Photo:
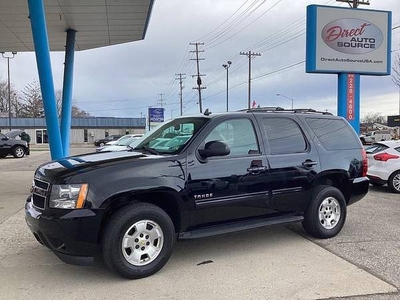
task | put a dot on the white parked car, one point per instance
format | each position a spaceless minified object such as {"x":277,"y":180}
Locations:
{"x":384,"y":164}
{"x":120,"y":146}
{"x":125,"y":137}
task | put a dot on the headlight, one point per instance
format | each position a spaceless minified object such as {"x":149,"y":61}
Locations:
{"x":68,"y":196}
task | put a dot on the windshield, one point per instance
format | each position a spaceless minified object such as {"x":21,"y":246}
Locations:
{"x":126,"y":141}
{"x":170,"y":137}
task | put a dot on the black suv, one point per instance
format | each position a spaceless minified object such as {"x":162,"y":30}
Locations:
{"x":11,"y":146}
{"x":198,"y":176}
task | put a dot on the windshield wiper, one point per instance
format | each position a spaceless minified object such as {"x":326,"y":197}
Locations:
{"x":148,"y":149}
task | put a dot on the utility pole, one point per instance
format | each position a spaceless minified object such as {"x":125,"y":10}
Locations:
{"x":250,"y":55}
{"x":197,"y":59}
{"x":181,"y":88}
{"x":161,"y":100}
{"x":355,"y":2}
{"x":226,"y":67}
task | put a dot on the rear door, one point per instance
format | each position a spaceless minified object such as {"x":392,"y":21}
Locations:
{"x":293,"y":162}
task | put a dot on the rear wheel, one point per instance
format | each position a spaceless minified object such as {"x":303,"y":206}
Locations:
{"x":18,"y":151}
{"x":138,"y":240}
{"x":326,"y":214}
{"x":394,"y":182}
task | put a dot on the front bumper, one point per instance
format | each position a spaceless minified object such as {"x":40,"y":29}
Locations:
{"x":359,"y":188}
{"x":71,"y":234}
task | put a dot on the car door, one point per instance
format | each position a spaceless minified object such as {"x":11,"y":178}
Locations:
{"x":229,"y":187}
{"x":4,"y":145}
{"x":293,"y":163}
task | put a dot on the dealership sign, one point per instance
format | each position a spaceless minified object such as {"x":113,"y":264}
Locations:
{"x":345,"y":40}
{"x":156,"y":114}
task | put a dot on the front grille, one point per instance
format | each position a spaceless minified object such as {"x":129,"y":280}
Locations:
{"x":40,"y":191}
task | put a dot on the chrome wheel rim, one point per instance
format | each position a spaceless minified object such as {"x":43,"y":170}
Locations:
{"x":396,"y":182}
{"x":19,"y":152}
{"x":142,"y":242}
{"x":329,"y":213}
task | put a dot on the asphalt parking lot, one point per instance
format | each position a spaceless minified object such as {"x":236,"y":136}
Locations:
{"x":362,"y":262}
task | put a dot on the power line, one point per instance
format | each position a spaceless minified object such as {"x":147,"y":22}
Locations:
{"x":245,"y":26}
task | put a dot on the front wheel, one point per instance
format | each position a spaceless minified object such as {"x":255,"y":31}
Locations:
{"x":138,"y":240}
{"x":394,"y":182}
{"x":18,"y":151}
{"x":326,"y":214}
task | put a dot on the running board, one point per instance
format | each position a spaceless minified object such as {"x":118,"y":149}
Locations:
{"x":238,"y":226}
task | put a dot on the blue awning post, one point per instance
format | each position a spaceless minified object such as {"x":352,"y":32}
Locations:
{"x":66,"y":110}
{"x":42,"y":50}
{"x":349,"y":99}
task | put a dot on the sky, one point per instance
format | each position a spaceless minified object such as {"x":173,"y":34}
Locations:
{"x":125,"y":80}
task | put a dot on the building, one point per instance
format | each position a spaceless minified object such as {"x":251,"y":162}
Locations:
{"x":83,"y":130}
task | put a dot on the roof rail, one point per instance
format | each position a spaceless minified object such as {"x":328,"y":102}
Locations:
{"x":263,"y":109}
{"x":280,"y":109}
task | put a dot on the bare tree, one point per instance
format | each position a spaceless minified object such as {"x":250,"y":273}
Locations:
{"x":79,"y":113}
{"x":396,"y":70}
{"x":31,"y":103}
{"x":4,"y":98}
{"x":374,"y":118}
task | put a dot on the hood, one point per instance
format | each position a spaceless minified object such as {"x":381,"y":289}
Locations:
{"x":76,"y":164}
{"x":13,"y":133}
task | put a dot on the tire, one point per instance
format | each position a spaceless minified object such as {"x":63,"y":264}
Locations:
{"x":150,"y":235}
{"x":3,"y":155}
{"x":18,"y":151}
{"x":326,"y":213}
{"x":102,"y":144}
{"x":394,"y":182}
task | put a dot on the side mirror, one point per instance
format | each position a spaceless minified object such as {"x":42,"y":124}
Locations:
{"x":214,"y":148}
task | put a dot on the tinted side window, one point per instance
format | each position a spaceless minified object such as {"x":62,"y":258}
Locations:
{"x":284,"y":136}
{"x":334,"y":134}
{"x":238,"y":134}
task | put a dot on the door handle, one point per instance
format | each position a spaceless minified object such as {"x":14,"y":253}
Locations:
{"x":309,"y":163}
{"x":256,"y":170}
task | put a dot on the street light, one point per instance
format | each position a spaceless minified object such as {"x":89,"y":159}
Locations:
{"x":286,"y":98}
{"x":226,"y":66}
{"x":9,"y":89}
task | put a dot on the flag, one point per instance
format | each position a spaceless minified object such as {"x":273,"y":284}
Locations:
{"x":254,"y":104}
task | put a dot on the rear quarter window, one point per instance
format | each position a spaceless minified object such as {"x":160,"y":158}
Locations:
{"x":334,"y":134}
